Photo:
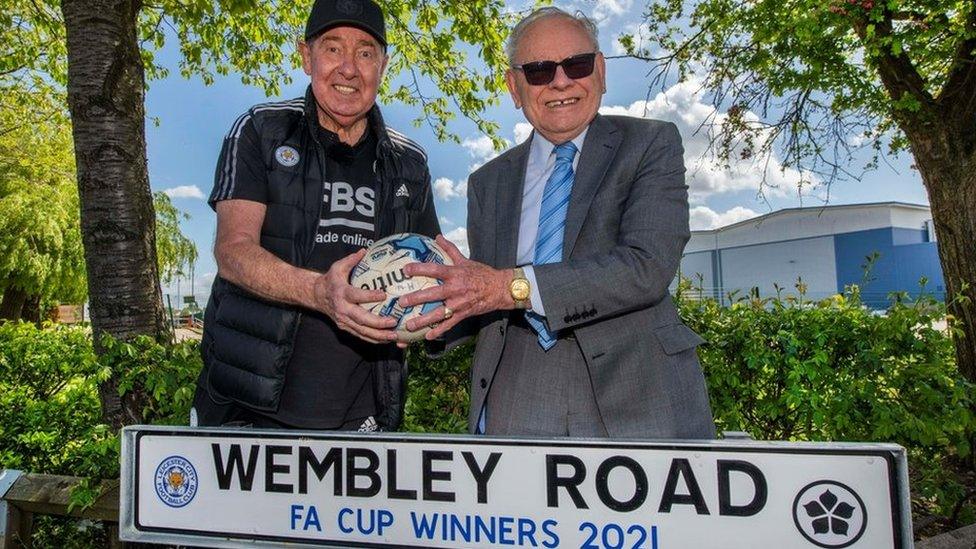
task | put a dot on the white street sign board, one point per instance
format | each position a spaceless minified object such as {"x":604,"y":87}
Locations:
{"x":225,"y":488}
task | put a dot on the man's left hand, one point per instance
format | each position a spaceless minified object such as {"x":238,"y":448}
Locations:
{"x":468,"y":289}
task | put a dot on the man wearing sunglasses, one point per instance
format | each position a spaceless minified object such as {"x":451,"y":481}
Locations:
{"x":574,"y":235}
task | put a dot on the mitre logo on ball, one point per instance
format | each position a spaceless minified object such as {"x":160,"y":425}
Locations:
{"x":382,"y":269}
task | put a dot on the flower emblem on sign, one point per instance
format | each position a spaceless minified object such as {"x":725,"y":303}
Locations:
{"x":829,"y":514}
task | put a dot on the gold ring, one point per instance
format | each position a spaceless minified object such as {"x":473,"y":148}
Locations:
{"x":448,"y":313}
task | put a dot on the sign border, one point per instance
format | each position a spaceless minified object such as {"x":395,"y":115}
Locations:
{"x":129,"y":526}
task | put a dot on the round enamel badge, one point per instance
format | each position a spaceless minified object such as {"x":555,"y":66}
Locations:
{"x":176,"y":481}
{"x":286,"y":156}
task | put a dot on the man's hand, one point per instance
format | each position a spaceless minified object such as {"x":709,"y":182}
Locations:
{"x":333,"y":295}
{"x":469,"y":288}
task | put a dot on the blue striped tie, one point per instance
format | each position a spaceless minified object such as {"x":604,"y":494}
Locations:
{"x":552,"y":222}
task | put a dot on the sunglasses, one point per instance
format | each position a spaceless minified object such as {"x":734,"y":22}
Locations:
{"x":540,"y":73}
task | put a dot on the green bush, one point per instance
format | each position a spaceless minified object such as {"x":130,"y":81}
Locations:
{"x":50,"y":417}
{"x":787,"y":368}
{"x":438,"y":391}
{"x":166,"y":374}
{"x":781,"y":368}
{"x":49,"y":408}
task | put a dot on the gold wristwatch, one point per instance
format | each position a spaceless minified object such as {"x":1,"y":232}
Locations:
{"x":520,"y":290}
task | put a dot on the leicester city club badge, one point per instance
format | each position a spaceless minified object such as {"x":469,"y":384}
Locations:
{"x":286,"y":156}
{"x":176,"y":481}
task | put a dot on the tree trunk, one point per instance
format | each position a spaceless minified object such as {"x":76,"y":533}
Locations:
{"x":31,"y":311}
{"x":20,"y":305}
{"x":105,"y":98}
{"x":13,"y":303}
{"x":945,"y":156}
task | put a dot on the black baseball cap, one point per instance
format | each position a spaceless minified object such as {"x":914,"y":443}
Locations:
{"x":363,"y":14}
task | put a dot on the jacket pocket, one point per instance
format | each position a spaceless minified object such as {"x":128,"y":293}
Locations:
{"x":676,"y":338}
{"x":252,"y":344}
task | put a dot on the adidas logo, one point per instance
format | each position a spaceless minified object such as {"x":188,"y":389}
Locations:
{"x":402,"y":191}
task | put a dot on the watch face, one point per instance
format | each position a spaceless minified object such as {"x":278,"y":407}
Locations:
{"x":520,"y":289}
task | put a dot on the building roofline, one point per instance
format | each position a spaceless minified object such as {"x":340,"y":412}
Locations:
{"x":785,"y":211}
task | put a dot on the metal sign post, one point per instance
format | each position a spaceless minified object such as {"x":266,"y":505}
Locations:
{"x":225,"y":488}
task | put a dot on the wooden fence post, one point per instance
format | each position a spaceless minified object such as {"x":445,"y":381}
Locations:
{"x":24,"y":495}
{"x":15,"y":524}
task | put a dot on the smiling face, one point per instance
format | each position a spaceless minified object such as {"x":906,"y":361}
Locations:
{"x":561,"y":109}
{"x":346,"y":65}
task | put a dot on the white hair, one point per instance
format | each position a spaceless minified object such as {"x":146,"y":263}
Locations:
{"x":582,"y":21}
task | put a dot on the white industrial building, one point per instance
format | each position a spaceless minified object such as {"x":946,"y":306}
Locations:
{"x":827,"y":247}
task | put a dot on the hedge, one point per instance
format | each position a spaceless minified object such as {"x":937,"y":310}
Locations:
{"x":780,"y":368}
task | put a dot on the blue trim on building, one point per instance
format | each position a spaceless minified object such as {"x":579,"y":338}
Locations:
{"x":716,"y":274}
{"x":903,"y":258}
{"x":714,"y":265}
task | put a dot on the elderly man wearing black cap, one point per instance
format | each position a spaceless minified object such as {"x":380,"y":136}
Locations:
{"x":302,"y":187}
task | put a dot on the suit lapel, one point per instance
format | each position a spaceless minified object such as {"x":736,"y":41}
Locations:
{"x":509,"y":182}
{"x":599,"y":148}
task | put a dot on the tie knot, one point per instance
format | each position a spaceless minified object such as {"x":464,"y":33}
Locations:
{"x":565,"y":152}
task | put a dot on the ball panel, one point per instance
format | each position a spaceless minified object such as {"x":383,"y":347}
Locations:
{"x":382,"y":269}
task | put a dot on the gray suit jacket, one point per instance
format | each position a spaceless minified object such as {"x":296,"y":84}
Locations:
{"x":626,"y":228}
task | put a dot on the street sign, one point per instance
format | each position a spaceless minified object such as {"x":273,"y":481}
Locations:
{"x":220,"y":487}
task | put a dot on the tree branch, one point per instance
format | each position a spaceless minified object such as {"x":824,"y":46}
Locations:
{"x":959,"y":92}
{"x":898,"y":74}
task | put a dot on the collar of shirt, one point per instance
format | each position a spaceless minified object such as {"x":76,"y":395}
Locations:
{"x":541,"y":159}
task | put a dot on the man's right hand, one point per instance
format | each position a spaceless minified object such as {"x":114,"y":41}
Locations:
{"x":333,"y":295}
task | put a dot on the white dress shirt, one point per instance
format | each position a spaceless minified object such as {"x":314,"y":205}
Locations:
{"x":542,"y":161}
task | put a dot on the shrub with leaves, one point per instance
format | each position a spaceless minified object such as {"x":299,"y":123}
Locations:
{"x":780,"y":368}
{"x":49,"y":410}
{"x":788,"y":368}
{"x":438,"y":391}
{"x":166,"y":372}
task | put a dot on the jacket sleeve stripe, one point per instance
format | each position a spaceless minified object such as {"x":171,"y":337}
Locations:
{"x":406,"y":142}
{"x":231,"y":152}
{"x":228,"y":178}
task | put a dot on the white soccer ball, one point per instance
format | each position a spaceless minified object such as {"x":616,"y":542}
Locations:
{"x":382,"y":269}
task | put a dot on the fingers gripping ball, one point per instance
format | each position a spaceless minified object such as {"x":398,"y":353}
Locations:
{"x":382,"y":269}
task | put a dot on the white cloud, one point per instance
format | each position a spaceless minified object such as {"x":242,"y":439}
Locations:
{"x":522,"y":131}
{"x":445,"y":221}
{"x":445,"y":189}
{"x":696,"y":122}
{"x":481,"y":149}
{"x":703,"y":217}
{"x":459,"y":237}
{"x":604,"y":10}
{"x":184,"y":191}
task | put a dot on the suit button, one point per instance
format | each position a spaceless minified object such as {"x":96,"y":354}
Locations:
{"x":593,"y":311}
{"x":567,"y":318}
{"x":484,"y":383}
{"x":501,"y":330}
{"x":575,"y":317}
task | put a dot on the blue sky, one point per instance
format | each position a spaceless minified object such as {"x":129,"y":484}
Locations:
{"x":193,"y":117}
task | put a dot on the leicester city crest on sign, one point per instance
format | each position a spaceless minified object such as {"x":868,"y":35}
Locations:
{"x":286,"y":156}
{"x":176,"y":481}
